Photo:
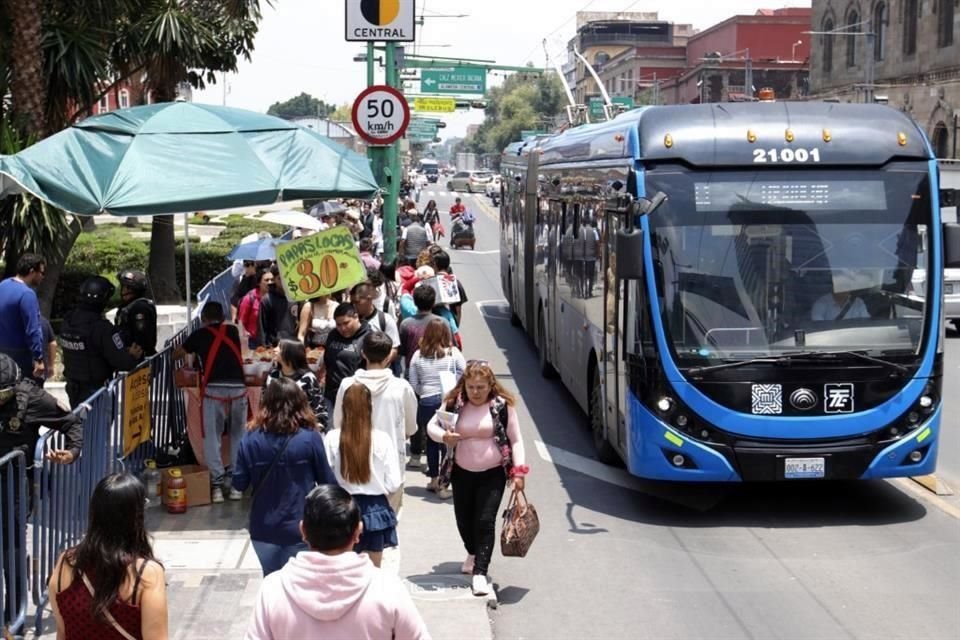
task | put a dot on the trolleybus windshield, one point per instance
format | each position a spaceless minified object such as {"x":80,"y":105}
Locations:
{"x":756,"y":263}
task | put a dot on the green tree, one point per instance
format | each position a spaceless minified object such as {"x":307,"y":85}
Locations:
{"x":300,"y":106}
{"x":343,"y":113}
{"x":58,"y":57}
{"x":523,"y":101}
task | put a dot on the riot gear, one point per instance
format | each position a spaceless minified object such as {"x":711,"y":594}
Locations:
{"x":133,"y":280}
{"x":96,"y":291}
{"x":93,"y":350}
{"x":9,"y":372}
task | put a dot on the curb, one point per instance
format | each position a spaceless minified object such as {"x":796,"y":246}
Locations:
{"x":434,"y":587}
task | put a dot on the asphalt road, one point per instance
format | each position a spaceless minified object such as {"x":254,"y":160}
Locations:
{"x":620,"y":558}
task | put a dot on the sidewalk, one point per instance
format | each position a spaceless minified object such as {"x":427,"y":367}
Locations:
{"x":213,"y":575}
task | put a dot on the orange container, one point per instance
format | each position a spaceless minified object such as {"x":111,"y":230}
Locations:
{"x":176,"y":492}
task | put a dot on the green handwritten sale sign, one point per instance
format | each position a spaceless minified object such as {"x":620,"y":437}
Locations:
{"x":320,"y":264}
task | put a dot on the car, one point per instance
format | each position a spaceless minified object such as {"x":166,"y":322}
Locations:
{"x":469,"y":181}
{"x":493,"y":187}
{"x":951,"y":292}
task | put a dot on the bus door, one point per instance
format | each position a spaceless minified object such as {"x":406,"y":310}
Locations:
{"x":614,"y":314}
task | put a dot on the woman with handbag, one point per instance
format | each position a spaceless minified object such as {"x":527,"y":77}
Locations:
{"x":485,"y":450}
{"x":110,"y":586}
{"x":365,"y":462}
{"x":434,"y":369}
{"x":282,"y":458}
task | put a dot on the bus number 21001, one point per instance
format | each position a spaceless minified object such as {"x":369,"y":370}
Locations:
{"x":786,"y":155}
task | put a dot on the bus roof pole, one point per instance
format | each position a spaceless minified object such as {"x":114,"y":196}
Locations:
{"x":596,"y":78}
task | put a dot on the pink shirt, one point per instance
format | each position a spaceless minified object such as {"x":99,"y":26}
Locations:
{"x":477,"y":449}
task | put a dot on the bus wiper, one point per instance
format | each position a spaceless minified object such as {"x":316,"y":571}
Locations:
{"x":785,"y":359}
{"x":857,"y":354}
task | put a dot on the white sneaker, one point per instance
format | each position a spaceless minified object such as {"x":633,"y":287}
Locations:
{"x":480,"y":585}
{"x":444,"y":494}
{"x":236,"y":495}
{"x":216,"y":495}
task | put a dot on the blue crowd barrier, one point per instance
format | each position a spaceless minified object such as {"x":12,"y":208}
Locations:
{"x":13,"y":542}
{"x":61,"y":493}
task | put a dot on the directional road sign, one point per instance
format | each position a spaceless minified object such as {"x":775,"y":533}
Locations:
{"x":457,"y":80}
{"x":380,"y":114}
{"x":422,"y":130}
{"x":435,"y":105}
{"x":596,"y":105}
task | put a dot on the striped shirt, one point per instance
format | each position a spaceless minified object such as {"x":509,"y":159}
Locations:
{"x":425,"y":372}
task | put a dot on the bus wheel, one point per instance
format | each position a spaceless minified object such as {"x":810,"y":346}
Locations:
{"x":514,"y":318}
{"x":605,"y":452}
{"x":546,"y":369}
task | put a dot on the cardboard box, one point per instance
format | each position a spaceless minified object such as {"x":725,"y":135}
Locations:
{"x":197,"y":480}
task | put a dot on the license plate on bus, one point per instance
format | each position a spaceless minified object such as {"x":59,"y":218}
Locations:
{"x":804,"y":468}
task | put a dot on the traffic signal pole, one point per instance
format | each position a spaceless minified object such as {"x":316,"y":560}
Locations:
{"x":393,"y":172}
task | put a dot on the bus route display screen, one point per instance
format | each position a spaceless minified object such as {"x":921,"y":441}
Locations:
{"x":817,"y":195}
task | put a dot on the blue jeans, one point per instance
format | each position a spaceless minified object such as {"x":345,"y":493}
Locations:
{"x":223,"y":404}
{"x":426,"y":409}
{"x":273,"y":557}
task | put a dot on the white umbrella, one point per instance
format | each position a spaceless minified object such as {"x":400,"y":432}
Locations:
{"x":293,"y":218}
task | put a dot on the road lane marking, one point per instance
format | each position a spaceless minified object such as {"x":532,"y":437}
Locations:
{"x":588,"y":466}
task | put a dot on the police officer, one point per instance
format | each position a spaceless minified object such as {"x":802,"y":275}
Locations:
{"x":137,"y":318}
{"x":93,"y":349}
{"x":24,"y":408}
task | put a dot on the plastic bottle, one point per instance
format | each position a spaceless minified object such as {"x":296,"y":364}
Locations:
{"x":151,"y":480}
{"x":176,"y":492}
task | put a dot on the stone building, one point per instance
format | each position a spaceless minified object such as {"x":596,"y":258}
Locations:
{"x":913,"y":47}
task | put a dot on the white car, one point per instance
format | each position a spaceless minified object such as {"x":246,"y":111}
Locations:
{"x":469,"y":181}
{"x":493,"y":187}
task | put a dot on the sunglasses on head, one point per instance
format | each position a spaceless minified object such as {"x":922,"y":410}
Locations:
{"x":479,"y":363}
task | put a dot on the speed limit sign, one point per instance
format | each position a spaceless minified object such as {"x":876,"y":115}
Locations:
{"x":380,"y":114}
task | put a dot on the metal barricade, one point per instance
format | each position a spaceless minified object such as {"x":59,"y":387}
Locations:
{"x":62,"y":492}
{"x":13,"y":541}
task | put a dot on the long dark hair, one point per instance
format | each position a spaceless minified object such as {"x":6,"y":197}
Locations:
{"x":115,"y":539}
{"x":356,"y":434}
{"x":294,"y":354}
{"x":284,"y":409}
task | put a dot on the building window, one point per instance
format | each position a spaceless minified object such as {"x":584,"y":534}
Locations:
{"x":941,"y":140}
{"x":879,"y":27}
{"x":945,"y":23}
{"x":104,"y":105}
{"x":124,"y":99}
{"x":911,"y":15}
{"x":826,"y":45}
{"x":599,"y":60}
{"x":853,"y":28}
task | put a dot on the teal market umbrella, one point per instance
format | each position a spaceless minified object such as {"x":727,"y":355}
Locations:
{"x":179,"y":157}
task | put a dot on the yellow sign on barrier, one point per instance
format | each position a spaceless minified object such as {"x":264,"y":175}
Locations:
{"x":136,"y":409}
{"x":435,"y":105}
{"x":320,"y":264}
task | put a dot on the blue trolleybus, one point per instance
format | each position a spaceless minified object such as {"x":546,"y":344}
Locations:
{"x":726,"y":289}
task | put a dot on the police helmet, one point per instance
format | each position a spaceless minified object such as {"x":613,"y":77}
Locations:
{"x":9,"y":372}
{"x":96,"y":291}
{"x":133,"y":279}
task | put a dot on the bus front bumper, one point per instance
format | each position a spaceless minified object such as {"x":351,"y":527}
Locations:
{"x":659,"y":451}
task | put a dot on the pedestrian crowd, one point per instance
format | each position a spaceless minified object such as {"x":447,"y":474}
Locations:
{"x":367,"y":385}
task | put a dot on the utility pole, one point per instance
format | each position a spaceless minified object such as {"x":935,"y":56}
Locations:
{"x":390,"y":204}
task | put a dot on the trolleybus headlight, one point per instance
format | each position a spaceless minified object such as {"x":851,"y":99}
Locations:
{"x":913,"y":419}
{"x":916,"y":456}
{"x":705,"y":434}
{"x":681,"y":421}
{"x":678,"y":460}
{"x":664,"y":404}
{"x":926,"y":403}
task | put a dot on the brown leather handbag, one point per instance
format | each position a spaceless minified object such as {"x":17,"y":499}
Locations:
{"x":520,"y":526}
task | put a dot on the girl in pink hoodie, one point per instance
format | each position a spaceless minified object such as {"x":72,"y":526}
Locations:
{"x":330,"y":591}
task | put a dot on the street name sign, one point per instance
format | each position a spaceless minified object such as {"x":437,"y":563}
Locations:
{"x":596,"y":104}
{"x":422,"y":130}
{"x":380,"y":20}
{"x":456,"y":80}
{"x":380,"y":114}
{"x":435,"y":105}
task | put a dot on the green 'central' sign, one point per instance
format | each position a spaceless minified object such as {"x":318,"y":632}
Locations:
{"x":457,"y":80}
